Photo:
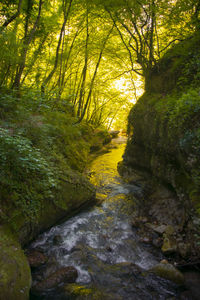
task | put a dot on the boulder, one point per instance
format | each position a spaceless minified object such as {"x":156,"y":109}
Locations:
{"x":160,"y":229}
{"x":168,"y":271}
{"x":82,"y":292}
{"x":63,"y":275}
{"x":169,"y":245}
{"x":146,"y":240}
{"x":36,"y":258}
{"x":184,"y":249}
{"x":15,"y":275}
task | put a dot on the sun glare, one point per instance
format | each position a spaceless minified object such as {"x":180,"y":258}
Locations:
{"x":133,"y":92}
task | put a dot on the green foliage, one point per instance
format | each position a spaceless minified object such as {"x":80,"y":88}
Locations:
{"x":25,"y":177}
{"x":180,"y":109}
{"x":191,"y":71}
{"x":39,"y":144}
{"x":186,"y":107}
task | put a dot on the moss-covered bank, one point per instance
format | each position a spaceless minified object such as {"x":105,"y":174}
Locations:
{"x":43,"y":153}
{"x":164,"y":125}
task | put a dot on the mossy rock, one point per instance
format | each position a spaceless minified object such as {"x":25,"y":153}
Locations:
{"x":75,"y":193}
{"x":81,"y":292}
{"x":15,"y":275}
{"x":169,"y":244}
{"x":169,"y":272}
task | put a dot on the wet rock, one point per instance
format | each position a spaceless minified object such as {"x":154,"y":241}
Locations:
{"x":36,"y":258}
{"x":192,"y":283}
{"x":62,"y":251}
{"x":169,"y":272}
{"x":164,"y":261}
{"x":57,"y":240}
{"x":184,"y":249}
{"x":169,"y":230}
{"x":186,"y":295}
{"x":169,"y":245}
{"x":77,"y":248}
{"x":109,"y":249}
{"x":138,"y":221}
{"x":63,"y":275}
{"x":160,"y":229}
{"x":135,"y":223}
{"x":157,"y":242}
{"x":88,"y":292}
{"x":146,"y":240}
{"x":143,"y":220}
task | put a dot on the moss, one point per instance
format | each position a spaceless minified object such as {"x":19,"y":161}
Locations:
{"x":177,"y":69}
{"x":164,"y":124}
{"x":85,"y":292}
{"x":169,"y":272}
{"x":15,"y":275}
{"x":79,"y":290}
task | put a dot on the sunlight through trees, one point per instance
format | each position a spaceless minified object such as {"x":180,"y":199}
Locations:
{"x":91,"y":55}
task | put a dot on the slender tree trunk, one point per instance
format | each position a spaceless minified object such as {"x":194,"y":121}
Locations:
{"x":34,"y":58}
{"x":151,"y":42}
{"x":84,"y":72}
{"x":94,"y":76}
{"x":63,"y":70}
{"x":27,"y":41}
{"x":62,"y":32}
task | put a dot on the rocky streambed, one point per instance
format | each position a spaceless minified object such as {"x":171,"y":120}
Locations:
{"x":109,"y":251}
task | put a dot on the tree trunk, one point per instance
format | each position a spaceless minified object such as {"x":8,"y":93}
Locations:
{"x":94,"y":76}
{"x":62,"y":32}
{"x":27,"y":41}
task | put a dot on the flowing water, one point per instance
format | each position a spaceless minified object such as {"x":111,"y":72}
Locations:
{"x":101,"y":243}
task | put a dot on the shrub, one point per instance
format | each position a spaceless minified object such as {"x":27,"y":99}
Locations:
{"x":25,"y":176}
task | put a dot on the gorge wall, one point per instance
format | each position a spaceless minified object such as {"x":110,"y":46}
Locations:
{"x":164,"y":126}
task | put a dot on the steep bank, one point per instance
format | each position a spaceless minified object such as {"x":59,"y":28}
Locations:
{"x":43,"y":153}
{"x":164,"y":128}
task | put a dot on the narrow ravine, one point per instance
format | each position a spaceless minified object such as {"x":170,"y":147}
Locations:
{"x":102,"y":245}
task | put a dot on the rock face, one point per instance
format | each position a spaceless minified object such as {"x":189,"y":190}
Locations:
{"x":164,"y":138}
{"x":164,"y":128}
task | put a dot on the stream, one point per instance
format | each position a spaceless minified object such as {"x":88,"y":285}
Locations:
{"x":102,"y":245}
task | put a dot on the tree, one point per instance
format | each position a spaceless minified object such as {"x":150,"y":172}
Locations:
{"x":82,"y":52}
